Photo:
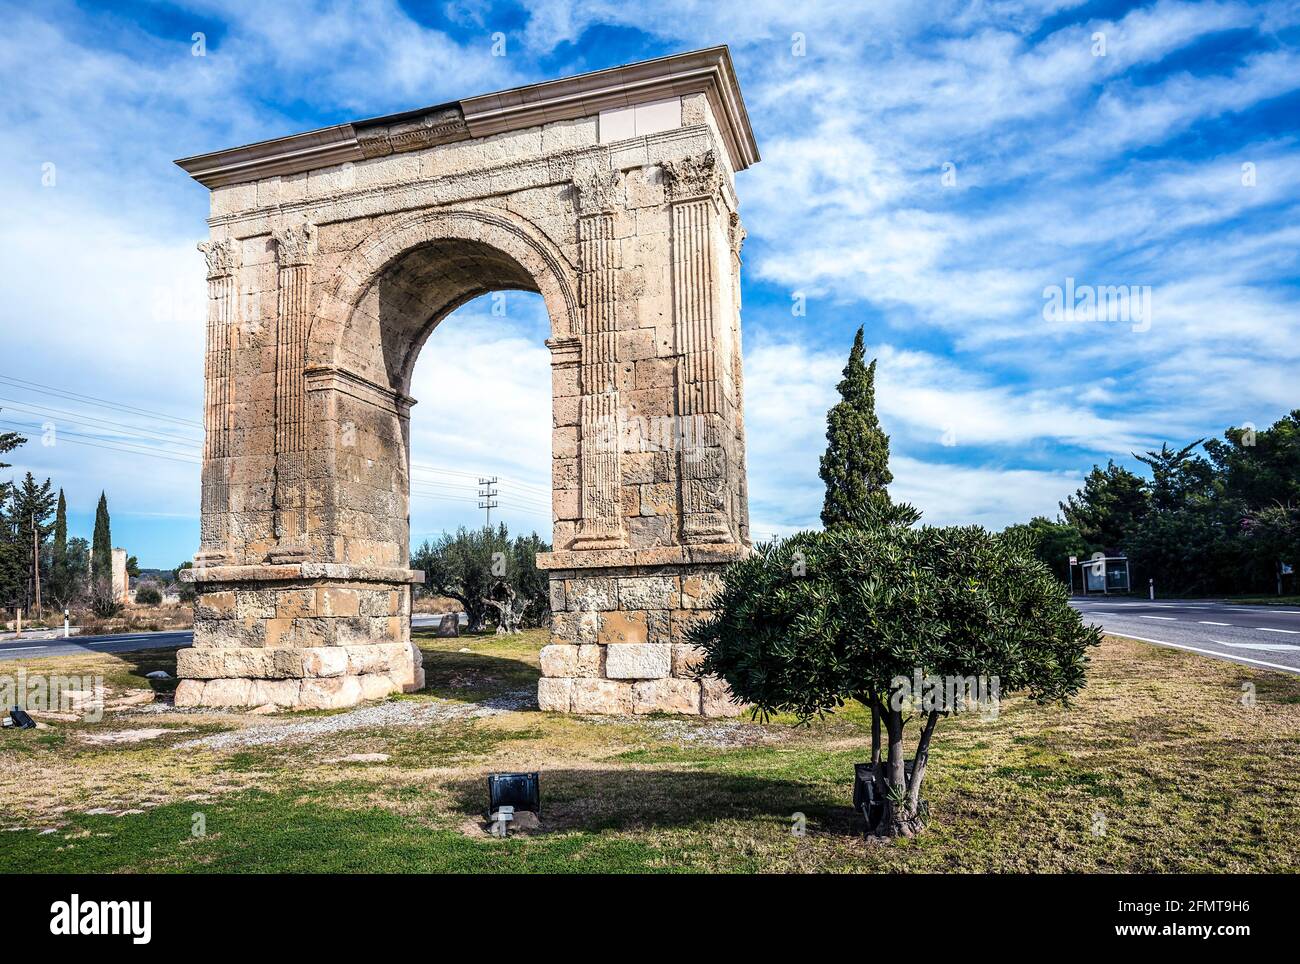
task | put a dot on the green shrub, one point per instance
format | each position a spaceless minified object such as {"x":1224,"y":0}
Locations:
{"x":148,"y":595}
{"x":861,"y":611}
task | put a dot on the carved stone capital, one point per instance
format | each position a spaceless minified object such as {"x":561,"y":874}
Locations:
{"x":736,"y":233}
{"x":222,"y":258}
{"x":692,"y":177}
{"x":599,"y":190}
{"x":295,"y":244}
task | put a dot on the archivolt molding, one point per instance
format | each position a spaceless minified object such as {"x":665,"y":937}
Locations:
{"x":508,"y":233}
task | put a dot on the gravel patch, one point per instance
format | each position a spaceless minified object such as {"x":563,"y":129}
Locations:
{"x":394,"y":713}
{"x":719,"y":734}
{"x":127,"y":736}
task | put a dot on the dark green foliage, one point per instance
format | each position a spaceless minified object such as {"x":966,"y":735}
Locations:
{"x":12,"y":577}
{"x":27,"y":522}
{"x":59,"y":554}
{"x":872,"y":605}
{"x":1259,"y":468}
{"x":148,"y":595}
{"x":1051,"y":543}
{"x":8,"y":442}
{"x":1272,"y":534}
{"x":805,"y":624}
{"x":1213,"y":524}
{"x":78,"y":570}
{"x":475,"y":564}
{"x":855,"y":467}
{"x":1108,"y":507}
{"x":101,"y":547}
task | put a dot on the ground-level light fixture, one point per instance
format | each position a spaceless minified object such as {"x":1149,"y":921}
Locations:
{"x":511,"y":793}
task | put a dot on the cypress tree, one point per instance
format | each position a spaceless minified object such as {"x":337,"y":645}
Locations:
{"x":855,"y":467}
{"x":59,"y":554}
{"x":101,"y":549}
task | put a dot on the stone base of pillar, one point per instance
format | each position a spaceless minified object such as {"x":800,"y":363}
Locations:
{"x":618,"y":632}
{"x":299,"y":636}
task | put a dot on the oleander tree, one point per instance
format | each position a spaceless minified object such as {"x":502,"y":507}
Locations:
{"x":856,"y":612}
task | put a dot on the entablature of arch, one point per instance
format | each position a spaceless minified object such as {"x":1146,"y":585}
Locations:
{"x":708,"y":72}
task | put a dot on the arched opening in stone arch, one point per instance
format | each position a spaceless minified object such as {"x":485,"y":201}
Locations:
{"x":482,"y":391}
{"x":483,"y":381}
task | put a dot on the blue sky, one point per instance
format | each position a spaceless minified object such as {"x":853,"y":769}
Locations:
{"x":929,"y":170}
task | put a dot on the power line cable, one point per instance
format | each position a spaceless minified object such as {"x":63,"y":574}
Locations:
{"x":47,"y":390}
{"x":78,"y":440}
{"x":105,"y":423}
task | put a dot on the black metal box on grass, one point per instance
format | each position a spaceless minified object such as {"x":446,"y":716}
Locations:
{"x":519,"y":790}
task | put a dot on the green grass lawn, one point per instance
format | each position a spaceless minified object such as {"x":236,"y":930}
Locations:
{"x":1159,"y":766}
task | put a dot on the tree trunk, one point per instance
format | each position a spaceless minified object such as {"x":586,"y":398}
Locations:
{"x":877,"y":764}
{"x":875,"y":731}
{"x":918,"y":766}
{"x":901,"y":817}
{"x":509,"y":617}
{"x":474,"y":614}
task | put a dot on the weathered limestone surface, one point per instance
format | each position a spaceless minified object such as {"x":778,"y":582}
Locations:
{"x":334,"y":255}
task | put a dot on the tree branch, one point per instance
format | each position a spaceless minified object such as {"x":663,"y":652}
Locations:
{"x":918,"y":765}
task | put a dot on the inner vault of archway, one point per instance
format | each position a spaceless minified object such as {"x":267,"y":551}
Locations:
{"x":414,"y":293}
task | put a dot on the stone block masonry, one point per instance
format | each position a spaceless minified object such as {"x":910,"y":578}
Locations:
{"x":623,"y":628}
{"x":333,"y":257}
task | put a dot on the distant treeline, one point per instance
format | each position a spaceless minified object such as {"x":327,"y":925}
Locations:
{"x":1216,"y":517}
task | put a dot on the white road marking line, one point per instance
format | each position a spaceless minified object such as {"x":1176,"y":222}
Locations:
{"x":1289,"y":632}
{"x":1206,"y":622}
{"x":1166,"y":618}
{"x":1210,"y":652}
{"x":1274,"y":646}
{"x":18,"y":649}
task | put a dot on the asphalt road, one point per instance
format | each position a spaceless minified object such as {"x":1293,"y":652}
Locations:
{"x":1266,"y":636}
{"x":128,"y":642}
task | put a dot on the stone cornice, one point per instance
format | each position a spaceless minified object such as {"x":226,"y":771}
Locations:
{"x":348,"y":383}
{"x":706,"y":71}
{"x":653,"y":556}
{"x":294,"y":572}
{"x":460,"y":188}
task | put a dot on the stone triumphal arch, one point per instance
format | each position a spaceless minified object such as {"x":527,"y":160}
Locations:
{"x":333,"y":256}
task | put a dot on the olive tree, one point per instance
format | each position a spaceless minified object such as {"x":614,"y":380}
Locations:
{"x":484,"y":570}
{"x":860,"y":611}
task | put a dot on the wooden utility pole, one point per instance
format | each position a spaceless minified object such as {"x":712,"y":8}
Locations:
{"x":36,"y":565}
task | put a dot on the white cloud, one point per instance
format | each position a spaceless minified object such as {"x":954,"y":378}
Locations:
{"x":989,"y":495}
{"x":484,"y":387}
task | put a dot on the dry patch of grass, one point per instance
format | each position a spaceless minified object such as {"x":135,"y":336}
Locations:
{"x":1167,"y":761}
{"x":136,"y":618}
